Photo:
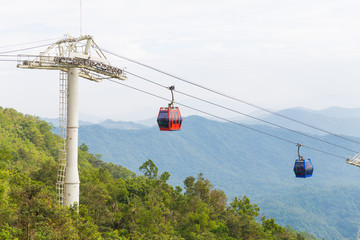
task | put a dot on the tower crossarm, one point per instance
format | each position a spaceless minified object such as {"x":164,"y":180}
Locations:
{"x":82,"y":53}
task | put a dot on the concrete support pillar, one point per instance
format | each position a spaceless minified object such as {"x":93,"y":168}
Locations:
{"x":72,"y":181}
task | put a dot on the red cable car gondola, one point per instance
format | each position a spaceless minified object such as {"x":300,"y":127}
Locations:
{"x":169,"y":118}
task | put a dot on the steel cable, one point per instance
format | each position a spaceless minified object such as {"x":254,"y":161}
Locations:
{"x":230,"y":97}
{"x":244,"y":114}
{"x":224,"y":119}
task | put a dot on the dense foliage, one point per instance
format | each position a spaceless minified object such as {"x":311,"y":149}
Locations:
{"x":114,"y":203}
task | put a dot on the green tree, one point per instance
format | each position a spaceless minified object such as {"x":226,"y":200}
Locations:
{"x":189,"y":183}
{"x":149,"y":169}
{"x":241,"y":219}
{"x":202,"y":188}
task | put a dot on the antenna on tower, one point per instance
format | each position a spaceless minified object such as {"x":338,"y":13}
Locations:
{"x":80,"y":18}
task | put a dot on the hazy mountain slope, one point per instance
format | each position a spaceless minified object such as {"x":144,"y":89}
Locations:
{"x":148,"y":122}
{"x":334,"y":119}
{"x":338,"y":112}
{"x":55,"y":122}
{"x":106,"y":124}
{"x":205,"y":145}
{"x":120,"y":125}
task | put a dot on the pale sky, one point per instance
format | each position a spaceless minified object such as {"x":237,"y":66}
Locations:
{"x":276,"y":54}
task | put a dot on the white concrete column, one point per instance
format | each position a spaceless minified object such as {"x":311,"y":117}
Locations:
{"x":72,"y":181}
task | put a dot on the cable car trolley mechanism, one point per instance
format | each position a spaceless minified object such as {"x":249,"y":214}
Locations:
{"x":303,"y":168}
{"x":169,"y":118}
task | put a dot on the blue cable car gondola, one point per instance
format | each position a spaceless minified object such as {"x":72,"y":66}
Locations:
{"x":169,"y":118}
{"x":303,"y":168}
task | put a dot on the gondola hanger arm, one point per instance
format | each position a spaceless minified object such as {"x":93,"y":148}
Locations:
{"x":300,"y":157}
{"x":171,"y":104}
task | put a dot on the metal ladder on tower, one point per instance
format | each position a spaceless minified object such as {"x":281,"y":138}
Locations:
{"x":62,"y":145}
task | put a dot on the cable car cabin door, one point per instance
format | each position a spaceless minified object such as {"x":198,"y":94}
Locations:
{"x":169,"y":119}
{"x":175,"y":119}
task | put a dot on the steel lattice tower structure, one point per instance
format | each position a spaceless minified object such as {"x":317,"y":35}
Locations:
{"x":74,"y":57}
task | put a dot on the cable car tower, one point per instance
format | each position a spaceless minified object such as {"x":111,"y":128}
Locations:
{"x":355,"y":160}
{"x":74,"y":57}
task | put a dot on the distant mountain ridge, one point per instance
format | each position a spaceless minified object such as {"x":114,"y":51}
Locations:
{"x":110,"y":124}
{"x":338,"y":112}
{"x":55,"y":122}
{"x":333,"y":119}
{"x":337,"y":120}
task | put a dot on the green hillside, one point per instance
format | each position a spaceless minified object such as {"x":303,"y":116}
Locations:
{"x":114,"y":202}
{"x":330,"y":212}
{"x":243,"y":162}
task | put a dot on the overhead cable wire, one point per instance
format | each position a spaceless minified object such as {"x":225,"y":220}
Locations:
{"x":12,"y":55}
{"x":23,"y":49}
{"x":230,"y":97}
{"x":17,"y":56}
{"x":8,"y":60}
{"x":19,"y":44}
{"x":224,"y":119}
{"x":244,"y":114}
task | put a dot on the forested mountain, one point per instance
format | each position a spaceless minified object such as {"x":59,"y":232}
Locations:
{"x":114,"y":202}
{"x":242,"y":161}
